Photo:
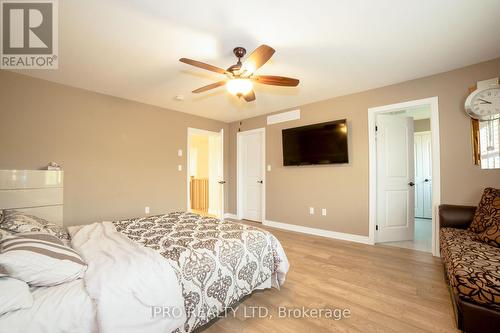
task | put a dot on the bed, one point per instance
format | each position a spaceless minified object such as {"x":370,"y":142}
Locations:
{"x":165,"y":273}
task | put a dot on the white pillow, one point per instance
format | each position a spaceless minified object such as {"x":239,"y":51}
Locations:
{"x":40,"y":259}
{"x":14,"y":295}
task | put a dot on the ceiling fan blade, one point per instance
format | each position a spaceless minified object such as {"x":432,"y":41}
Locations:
{"x":258,"y":58}
{"x":276,"y":80}
{"x":250,"y":96}
{"x":203,"y":65}
{"x":210,"y":86}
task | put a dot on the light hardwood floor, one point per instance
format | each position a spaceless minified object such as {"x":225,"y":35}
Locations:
{"x":387,"y":289}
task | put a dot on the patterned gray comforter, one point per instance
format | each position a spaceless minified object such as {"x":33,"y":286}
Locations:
{"x":216,"y":262}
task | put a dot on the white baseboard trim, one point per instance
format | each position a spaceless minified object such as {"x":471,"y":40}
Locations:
{"x":319,"y":232}
{"x":230,"y":216}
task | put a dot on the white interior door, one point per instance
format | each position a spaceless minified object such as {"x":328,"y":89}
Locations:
{"x":395,"y":178}
{"x":419,"y":176}
{"x":216,"y":174}
{"x":252,"y":175}
{"x":427,"y":173}
{"x":423,"y":175}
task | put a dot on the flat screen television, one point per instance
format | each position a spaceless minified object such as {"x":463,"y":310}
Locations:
{"x":324,"y":143}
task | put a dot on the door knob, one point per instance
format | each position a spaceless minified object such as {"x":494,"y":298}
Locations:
{"x":260,"y":182}
{"x":221,"y":182}
{"x":426,"y":180}
{"x":411,"y":183}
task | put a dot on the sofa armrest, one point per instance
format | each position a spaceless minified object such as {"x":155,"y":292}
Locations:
{"x":453,"y":216}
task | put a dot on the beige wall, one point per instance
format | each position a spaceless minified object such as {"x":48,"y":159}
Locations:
{"x":343,"y":189}
{"x":422,"y":125}
{"x":118,"y":156}
{"x":200,"y":143}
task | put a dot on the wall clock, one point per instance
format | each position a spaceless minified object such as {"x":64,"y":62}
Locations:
{"x":484,"y":103}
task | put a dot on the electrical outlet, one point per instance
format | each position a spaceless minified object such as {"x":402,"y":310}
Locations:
{"x":146,"y":210}
{"x":179,"y":153}
{"x":179,"y":167}
{"x":311,"y":210}
{"x":269,"y":167}
{"x":323,"y":211}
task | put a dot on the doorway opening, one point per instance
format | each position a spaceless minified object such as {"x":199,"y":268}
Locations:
{"x":404,"y":175}
{"x":205,"y":172}
{"x":251,"y":161}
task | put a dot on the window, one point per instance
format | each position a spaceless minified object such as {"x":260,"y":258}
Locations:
{"x":489,"y":144}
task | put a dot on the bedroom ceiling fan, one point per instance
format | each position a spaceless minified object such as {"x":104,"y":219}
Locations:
{"x":240,"y":76}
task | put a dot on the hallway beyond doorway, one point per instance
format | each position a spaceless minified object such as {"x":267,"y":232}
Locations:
{"x":423,"y":237}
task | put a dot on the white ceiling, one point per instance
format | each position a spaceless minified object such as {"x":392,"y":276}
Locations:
{"x":131,"y":48}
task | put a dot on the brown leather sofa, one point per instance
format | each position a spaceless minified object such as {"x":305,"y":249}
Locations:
{"x":472,"y":271}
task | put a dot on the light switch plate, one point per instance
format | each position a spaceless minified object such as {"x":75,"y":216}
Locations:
{"x":179,"y":153}
{"x":311,"y":210}
{"x":323,"y":211}
{"x":179,"y":167}
{"x":269,"y":167}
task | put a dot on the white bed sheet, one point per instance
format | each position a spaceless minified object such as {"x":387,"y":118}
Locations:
{"x":63,"y":308}
{"x":126,"y":281}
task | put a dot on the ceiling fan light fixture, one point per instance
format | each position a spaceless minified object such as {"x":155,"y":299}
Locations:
{"x":239,"y":87}
{"x":249,"y":68}
{"x":240,"y":76}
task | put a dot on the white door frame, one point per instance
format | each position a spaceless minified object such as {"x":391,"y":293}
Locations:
{"x":196,"y":131}
{"x":432,"y":102}
{"x":239,"y":172}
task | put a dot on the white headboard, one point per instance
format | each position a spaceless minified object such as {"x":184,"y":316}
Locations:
{"x":36,"y":192}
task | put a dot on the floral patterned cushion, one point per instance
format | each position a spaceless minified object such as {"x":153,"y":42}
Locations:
{"x":487,"y":211}
{"x":14,"y":222}
{"x":17,"y":222}
{"x":5,"y":234}
{"x":472,"y":267}
{"x":491,"y":235}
